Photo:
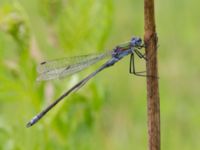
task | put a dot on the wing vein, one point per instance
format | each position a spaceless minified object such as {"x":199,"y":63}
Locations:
{"x":60,"y":68}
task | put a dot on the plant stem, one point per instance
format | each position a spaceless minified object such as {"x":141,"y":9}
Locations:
{"x":153,"y":100}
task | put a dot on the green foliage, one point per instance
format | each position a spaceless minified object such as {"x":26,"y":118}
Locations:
{"x":110,"y":111}
{"x":14,"y":23}
{"x":68,"y":26}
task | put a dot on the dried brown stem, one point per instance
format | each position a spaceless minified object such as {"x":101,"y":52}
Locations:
{"x":153,"y":104}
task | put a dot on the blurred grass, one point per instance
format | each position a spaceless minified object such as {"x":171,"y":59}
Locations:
{"x":106,"y":113}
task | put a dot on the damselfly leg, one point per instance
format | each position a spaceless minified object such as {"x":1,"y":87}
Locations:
{"x":140,"y":54}
{"x":132,"y":69}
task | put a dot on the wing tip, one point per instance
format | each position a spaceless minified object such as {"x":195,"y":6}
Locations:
{"x":42,"y":63}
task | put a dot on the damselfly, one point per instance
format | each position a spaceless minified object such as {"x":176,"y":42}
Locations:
{"x":67,"y":66}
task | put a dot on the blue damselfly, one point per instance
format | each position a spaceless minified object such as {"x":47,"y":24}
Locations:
{"x":60,"y":68}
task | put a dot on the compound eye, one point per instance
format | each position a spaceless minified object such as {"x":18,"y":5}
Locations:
{"x":139,"y":41}
{"x":135,"y":41}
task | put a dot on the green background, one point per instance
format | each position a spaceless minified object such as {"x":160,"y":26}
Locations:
{"x":108,"y":113}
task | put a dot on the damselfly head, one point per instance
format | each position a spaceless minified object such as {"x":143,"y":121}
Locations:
{"x":136,"y":42}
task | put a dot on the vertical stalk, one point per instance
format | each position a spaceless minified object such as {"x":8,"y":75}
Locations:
{"x":153,"y":100}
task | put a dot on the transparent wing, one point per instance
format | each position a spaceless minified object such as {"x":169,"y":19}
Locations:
{"x":63,"y":67}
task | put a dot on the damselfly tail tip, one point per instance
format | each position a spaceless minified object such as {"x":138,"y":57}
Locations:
{"x":32,"y":122}
{"x":29,"y":124}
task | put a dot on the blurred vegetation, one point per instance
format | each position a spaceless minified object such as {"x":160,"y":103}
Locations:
{"x":106,"y":113}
